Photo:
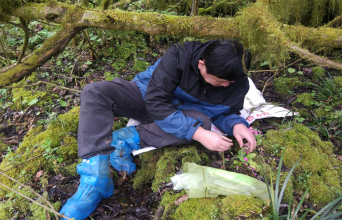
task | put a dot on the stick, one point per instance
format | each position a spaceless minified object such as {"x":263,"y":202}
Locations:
{"x":45,"y":207}
{"x":39,"y":82}
{"x":75,"y":63}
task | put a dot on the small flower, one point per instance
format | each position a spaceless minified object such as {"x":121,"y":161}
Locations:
{"x":252,"y":169}
{"x":237,"y":167}
{"x":245,"y":159}
{"x":255,"y":174}
{"x":245,"y":164}
{"x":227,"y":159}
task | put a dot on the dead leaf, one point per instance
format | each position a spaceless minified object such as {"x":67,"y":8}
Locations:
{"x":21,"y":131}
{"x":38,"y":175}
{"x":339,"y":157}
{"x":181,"y":199}
{"x":62,"y":92}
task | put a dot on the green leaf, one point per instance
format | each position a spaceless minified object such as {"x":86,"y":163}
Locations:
{"x":63,"y":103}
{"x":88,"y":63}
{"x":93,"y":38}
{"x":291,"y":70}
{"x":251,"y":156}
{"x":265,"y":63}
{"x":300,"y":72}
{"x":32,"y":102}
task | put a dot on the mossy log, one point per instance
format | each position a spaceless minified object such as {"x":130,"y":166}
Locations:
{"x":51,"y":47}
{"x":161,"y":24}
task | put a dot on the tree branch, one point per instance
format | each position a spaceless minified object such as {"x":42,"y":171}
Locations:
{"x":26,"y":40}
{"x":51,"y":47}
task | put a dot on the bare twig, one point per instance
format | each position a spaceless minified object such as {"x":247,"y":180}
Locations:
{"x":72,"y":70}
{"x":45,"y":207}
{"x":261,"y":71}
{"x":41,"y":82}
{"x":26,"y":40}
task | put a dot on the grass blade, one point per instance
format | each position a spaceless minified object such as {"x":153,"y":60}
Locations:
{"x":277,"y":181}
{"x":286,"y":181}
{"x":301,"y":201}
{"x":332,"y":204}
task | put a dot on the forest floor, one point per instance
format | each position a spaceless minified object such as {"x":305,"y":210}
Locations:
{"x":23,"y":109}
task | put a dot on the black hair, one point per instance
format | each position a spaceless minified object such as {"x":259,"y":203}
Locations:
{"x":223,"y":59}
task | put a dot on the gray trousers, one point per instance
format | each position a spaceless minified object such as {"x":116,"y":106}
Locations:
{"x":102,"y":101}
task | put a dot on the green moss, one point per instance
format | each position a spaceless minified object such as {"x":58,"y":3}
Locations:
{"x":305,"y":99}
{"x":140,"y":65}
{"x":168,"y":200}
{"x":38,"y":212}
{"x":35,"y":143}
{"x":148,"y":162}
{"x":22,"y":97}
{"x":318,"y":73}
{"x":283,"y":86}
{"x":203,"y":208}
{"x":338,"y":81}
{"x":318,"y":158}
{"x":320,"y":112}
{"x":234,"y":206}
{"x":3,"y":147}
{"x":165,"y":170}
{"x":69,"y":170}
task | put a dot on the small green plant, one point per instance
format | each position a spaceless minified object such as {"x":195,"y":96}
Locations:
{"x":304,"y":178}
{"x":327,"y":212}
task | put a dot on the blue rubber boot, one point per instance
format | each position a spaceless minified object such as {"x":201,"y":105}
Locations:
{"x":124,"y":140}
{"x":96,"y":183}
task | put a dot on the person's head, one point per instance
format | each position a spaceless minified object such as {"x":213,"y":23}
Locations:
{"x":221,"y":62}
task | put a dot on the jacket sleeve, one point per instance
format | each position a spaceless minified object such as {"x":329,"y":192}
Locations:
{"x":226,"y":121}
{"x":164,"y":80}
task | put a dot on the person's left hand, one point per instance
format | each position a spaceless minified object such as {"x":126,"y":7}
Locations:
{"x":240,"y":132}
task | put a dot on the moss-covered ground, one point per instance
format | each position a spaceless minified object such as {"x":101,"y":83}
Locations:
{"x":39,"y":125}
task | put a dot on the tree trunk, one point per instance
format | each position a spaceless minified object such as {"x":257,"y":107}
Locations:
{"x":51,"y":47}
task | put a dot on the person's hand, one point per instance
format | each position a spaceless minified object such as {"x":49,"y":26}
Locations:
{"x":212,"y":140}
{"x":240,"y":132}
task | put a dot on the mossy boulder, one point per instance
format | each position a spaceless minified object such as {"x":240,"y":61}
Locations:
{"x":229,"y":207}
{"x":283,"y":86}
{"x":318,"y":159}
{"x":47,"y":146}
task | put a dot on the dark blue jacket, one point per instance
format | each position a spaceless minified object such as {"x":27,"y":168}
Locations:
{"x":174,"y":82}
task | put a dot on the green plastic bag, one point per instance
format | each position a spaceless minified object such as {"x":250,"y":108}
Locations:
{"x":201,"y":181}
